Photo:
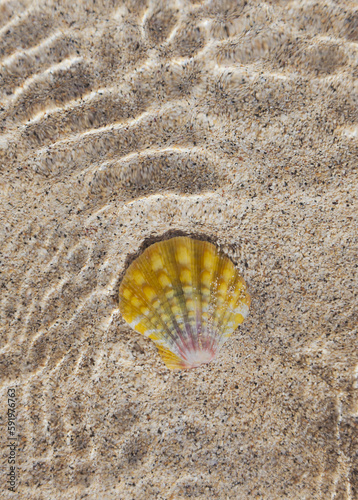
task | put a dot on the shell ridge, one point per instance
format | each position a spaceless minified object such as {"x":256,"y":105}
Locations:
{"x":196,"y":271}
{"x":157,"y":324}
{"x":230,"y":285}
{"x":189,"y":293}
{"x":208,"y":249}
{"x":151,"y":278}
{"x":213,"y":305}
{"x":228,"y":312}
{"x":179,"y":293}
{"x":239,"y":308}
{"x":177,"y":336}
{"x":171,"y":360}
{"x":206,"y":276}
{"x":140,"y":317}
{"x":186,"y":296}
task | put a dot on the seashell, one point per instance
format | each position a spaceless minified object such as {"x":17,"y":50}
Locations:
{"x":185,"y":296}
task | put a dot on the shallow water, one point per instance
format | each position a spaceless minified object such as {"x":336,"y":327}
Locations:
{"x":122,"y":121}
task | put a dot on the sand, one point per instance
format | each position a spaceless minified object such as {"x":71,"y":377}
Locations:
{"x":123,"y":123}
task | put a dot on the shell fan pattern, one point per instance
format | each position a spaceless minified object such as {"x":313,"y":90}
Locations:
{"x":185,"y":296}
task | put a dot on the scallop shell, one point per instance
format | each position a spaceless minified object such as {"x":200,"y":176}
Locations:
{"x":185,"y":296}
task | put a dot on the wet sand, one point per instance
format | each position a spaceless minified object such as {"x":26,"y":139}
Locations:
{"x":122,"y":123}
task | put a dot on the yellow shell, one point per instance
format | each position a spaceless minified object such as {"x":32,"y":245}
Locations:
{"x":185,"y":296}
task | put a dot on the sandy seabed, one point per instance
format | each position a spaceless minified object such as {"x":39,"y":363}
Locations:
{"x":127,"y":122}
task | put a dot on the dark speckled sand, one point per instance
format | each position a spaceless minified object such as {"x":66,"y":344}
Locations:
{"x":232,"y":121}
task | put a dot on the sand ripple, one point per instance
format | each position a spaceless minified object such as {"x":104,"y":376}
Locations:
{"x":125,"y":122}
